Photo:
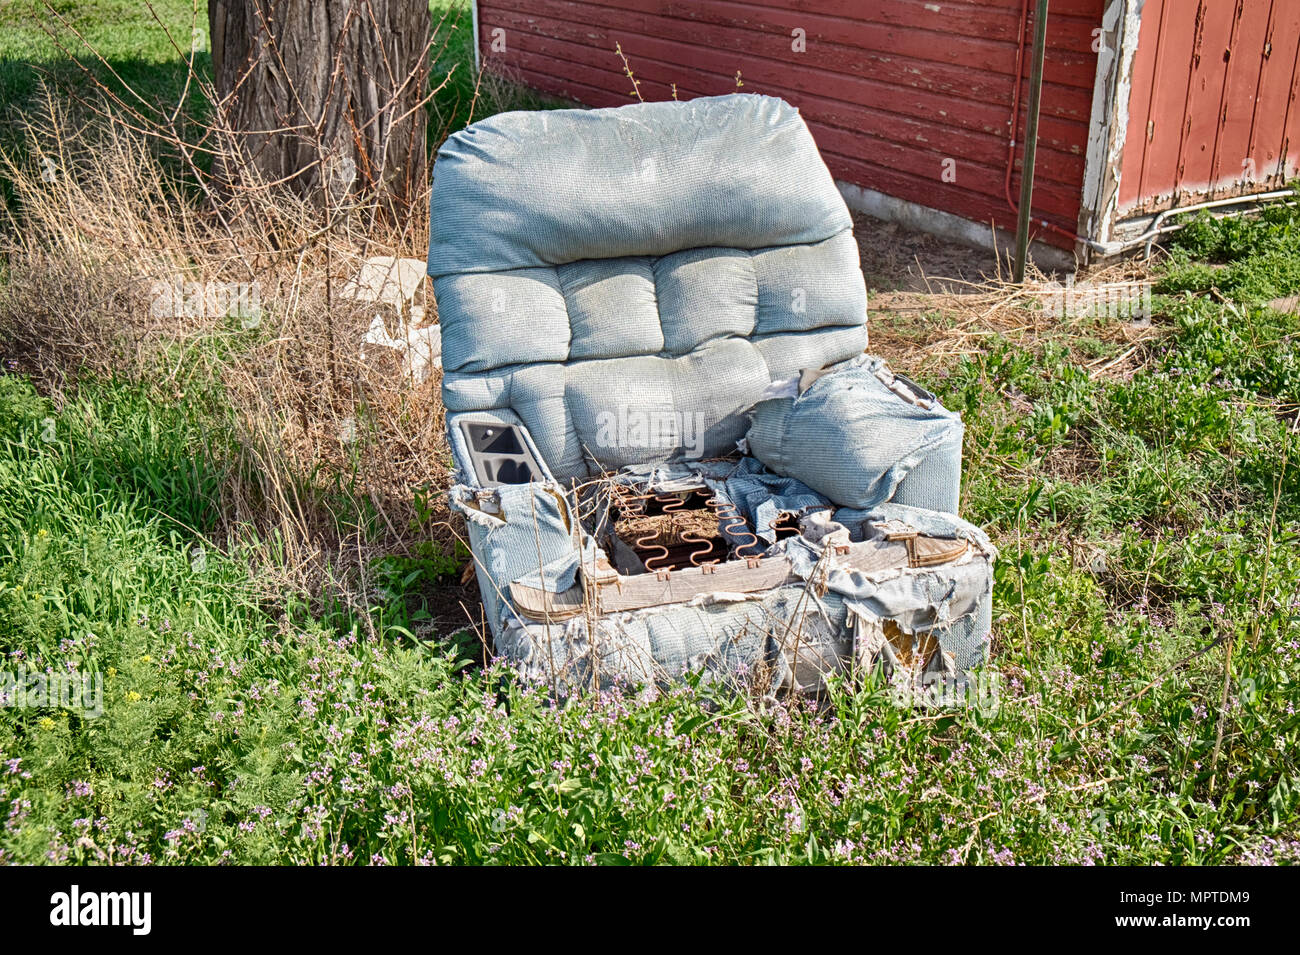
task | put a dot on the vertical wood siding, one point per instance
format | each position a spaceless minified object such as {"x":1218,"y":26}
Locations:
{"x":1213,"y":111}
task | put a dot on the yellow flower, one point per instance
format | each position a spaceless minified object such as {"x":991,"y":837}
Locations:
{"x":46,"y":723}
{"x":112,"y":671}
{"x":42,"y":533}
{"x":132,"y":696}
{"x":147,"y":659}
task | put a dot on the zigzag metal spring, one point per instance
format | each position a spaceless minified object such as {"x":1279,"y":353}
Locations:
{"x":669,"y":504}
{"x":706,"y":544}
{"x":633,"y":503}
{"x":774,"y":525}
{"x":735,"y":526}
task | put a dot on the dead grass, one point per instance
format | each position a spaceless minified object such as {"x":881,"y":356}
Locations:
{"x":328,"y":446}
{"x":927,"y":331}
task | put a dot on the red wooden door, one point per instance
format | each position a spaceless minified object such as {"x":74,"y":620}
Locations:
{"x":1212,"y":111}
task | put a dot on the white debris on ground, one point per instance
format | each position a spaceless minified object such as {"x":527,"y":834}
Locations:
{"x":420,"y":348}
{"x":392,"y":284}
{"x":386,"y":279}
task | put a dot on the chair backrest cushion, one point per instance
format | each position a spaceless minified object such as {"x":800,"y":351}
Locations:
{"x":628,"y":281}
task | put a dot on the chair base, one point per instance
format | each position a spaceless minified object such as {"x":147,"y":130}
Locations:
{"x":573,"y":606}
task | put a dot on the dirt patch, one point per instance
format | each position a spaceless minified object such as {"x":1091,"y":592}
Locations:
{"x":932,"y":301}
{"x":898,"y":259}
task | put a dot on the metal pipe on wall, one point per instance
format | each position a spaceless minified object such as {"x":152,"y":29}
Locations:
{"x":1031,"y":141}
{"x":473,"y":13}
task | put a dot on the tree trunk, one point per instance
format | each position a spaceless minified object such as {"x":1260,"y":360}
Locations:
{"x":326,"y":97}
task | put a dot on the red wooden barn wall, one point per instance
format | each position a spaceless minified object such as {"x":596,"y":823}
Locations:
{"x":1213,"y":110}
{"x":890,"y":88}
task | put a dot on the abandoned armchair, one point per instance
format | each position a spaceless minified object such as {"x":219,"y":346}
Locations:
{"x":673,"y":453}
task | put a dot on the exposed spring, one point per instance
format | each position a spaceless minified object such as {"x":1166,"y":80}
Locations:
{"x":628,"y":499}
{"x":705,"y":543}
{"x":733,"y":525}
{"x":633,"y":503}
{"x":775,"y":524}
{"x":669,"y":504}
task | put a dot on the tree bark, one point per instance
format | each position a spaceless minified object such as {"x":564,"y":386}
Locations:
{"x":326,"y":97}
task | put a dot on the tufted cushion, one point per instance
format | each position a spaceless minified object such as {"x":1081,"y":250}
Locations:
{"x":590,"y":300}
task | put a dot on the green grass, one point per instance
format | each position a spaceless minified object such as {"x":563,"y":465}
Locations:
{"x":118,"y":42}
{"x":1146,"y":526}
{"x":1215,"y":255}
{"x":137,"y":47}
{"x":465,"y":97}
{"x":134,"y":44}
{"x":149,"y":55}
{"x":242,"y":730}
